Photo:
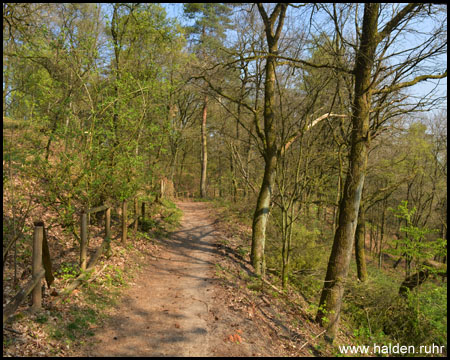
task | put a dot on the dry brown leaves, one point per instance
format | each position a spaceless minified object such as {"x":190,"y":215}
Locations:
{"x":28,"y":336}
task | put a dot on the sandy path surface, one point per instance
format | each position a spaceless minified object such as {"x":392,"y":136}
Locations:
{"x":167,"y":312}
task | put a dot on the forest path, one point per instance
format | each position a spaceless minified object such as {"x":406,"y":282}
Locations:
{"x":175,"y":306}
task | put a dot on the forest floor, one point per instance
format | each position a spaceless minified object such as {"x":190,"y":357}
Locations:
{"x":192,"y":299}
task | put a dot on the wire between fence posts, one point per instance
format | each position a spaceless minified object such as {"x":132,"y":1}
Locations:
{"x":37,"y":264}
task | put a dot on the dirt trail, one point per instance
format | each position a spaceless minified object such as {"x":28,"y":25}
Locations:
{"x":175,"y":307}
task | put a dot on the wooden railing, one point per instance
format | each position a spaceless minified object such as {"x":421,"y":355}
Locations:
{"x":41,"y":261}
{"x":38,"y":272}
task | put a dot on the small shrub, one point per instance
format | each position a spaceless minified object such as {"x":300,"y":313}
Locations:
{"x":68,"y":271}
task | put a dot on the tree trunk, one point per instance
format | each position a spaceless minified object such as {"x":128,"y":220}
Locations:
{"x":270,"y":147}
{"x":233,"y":176}
{"x":338,"y":192}
{"x":115,"y":36}
{"x":247,"y":166}
{"x":261,"y":214}
{"x":421,"y":276}
{"x":204,"y":150}
{"x":5,"y":82}
{"x":380,"y":249}
{"x":173,"y":166}
{"x":331,"y":298}
{"x":359,"y":246}
{"x":285,"y":230}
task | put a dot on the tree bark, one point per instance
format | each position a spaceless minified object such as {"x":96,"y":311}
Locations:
{"x":359,"y":246}
{"x":204,"y":156}
{"x":5,"y":82}
{"x":261,"y":215}
{"x":331,"y":298}
{"x":421,"y":276}
{"x":233,"y":176}
{"x":270,"y":147}
{"x":115,"y":37}
{"x":380,"y":249}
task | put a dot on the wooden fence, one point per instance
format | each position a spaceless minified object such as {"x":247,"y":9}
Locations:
{"x":41,"y":261}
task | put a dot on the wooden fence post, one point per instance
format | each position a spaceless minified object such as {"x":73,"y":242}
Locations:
{"x":83,"y":244}
{"x":37,"y":264}
{"x":136,"y":214}
{"x":124,"y":221}
{"x":108,"y":223}
{"x":143,"y":210}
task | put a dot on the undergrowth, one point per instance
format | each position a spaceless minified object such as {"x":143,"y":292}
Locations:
{"x":372,"y":312}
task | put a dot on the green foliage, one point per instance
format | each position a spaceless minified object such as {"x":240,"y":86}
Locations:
{"x":255,"y":284}
{"x":379,"y":315}
{"x":147,"y":224}
{"x":243,"y":250}
{"x":306,"y":258}
{"x":95,"y":117}
{"x":114,"y":276}
{"x":414,"y":244}
{"x":71,"y":147}
{"x":408,"y":322}
{"x":170,"y":214}
{"x":161,"y":218}
{"x":68,"y":271}
{"x":211,"y":21}
{"x":41,"y":319}
{"x":78,"y":324}
{"x":433,"y":314}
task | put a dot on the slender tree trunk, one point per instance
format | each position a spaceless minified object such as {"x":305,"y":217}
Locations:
{"x":270,"y":149}
{"x":115,"y":37}
{"x":380,"y":249}
{"x":359,"y":246}
{"x":5,"y":83}
{"x":338,"y":192}
{"x":261,"y":215}
{"x":338,"y":265}
{"x":233,"y":176}
{"x":181,"y":167}
{"x":204,"y":150}
{"x":319,"y":207}
{"x":234,"y":182}
{"x":173,"y":166}
{"x":247,"y":167}
{"x":285,"y":226}
{"x":407,"y":265}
